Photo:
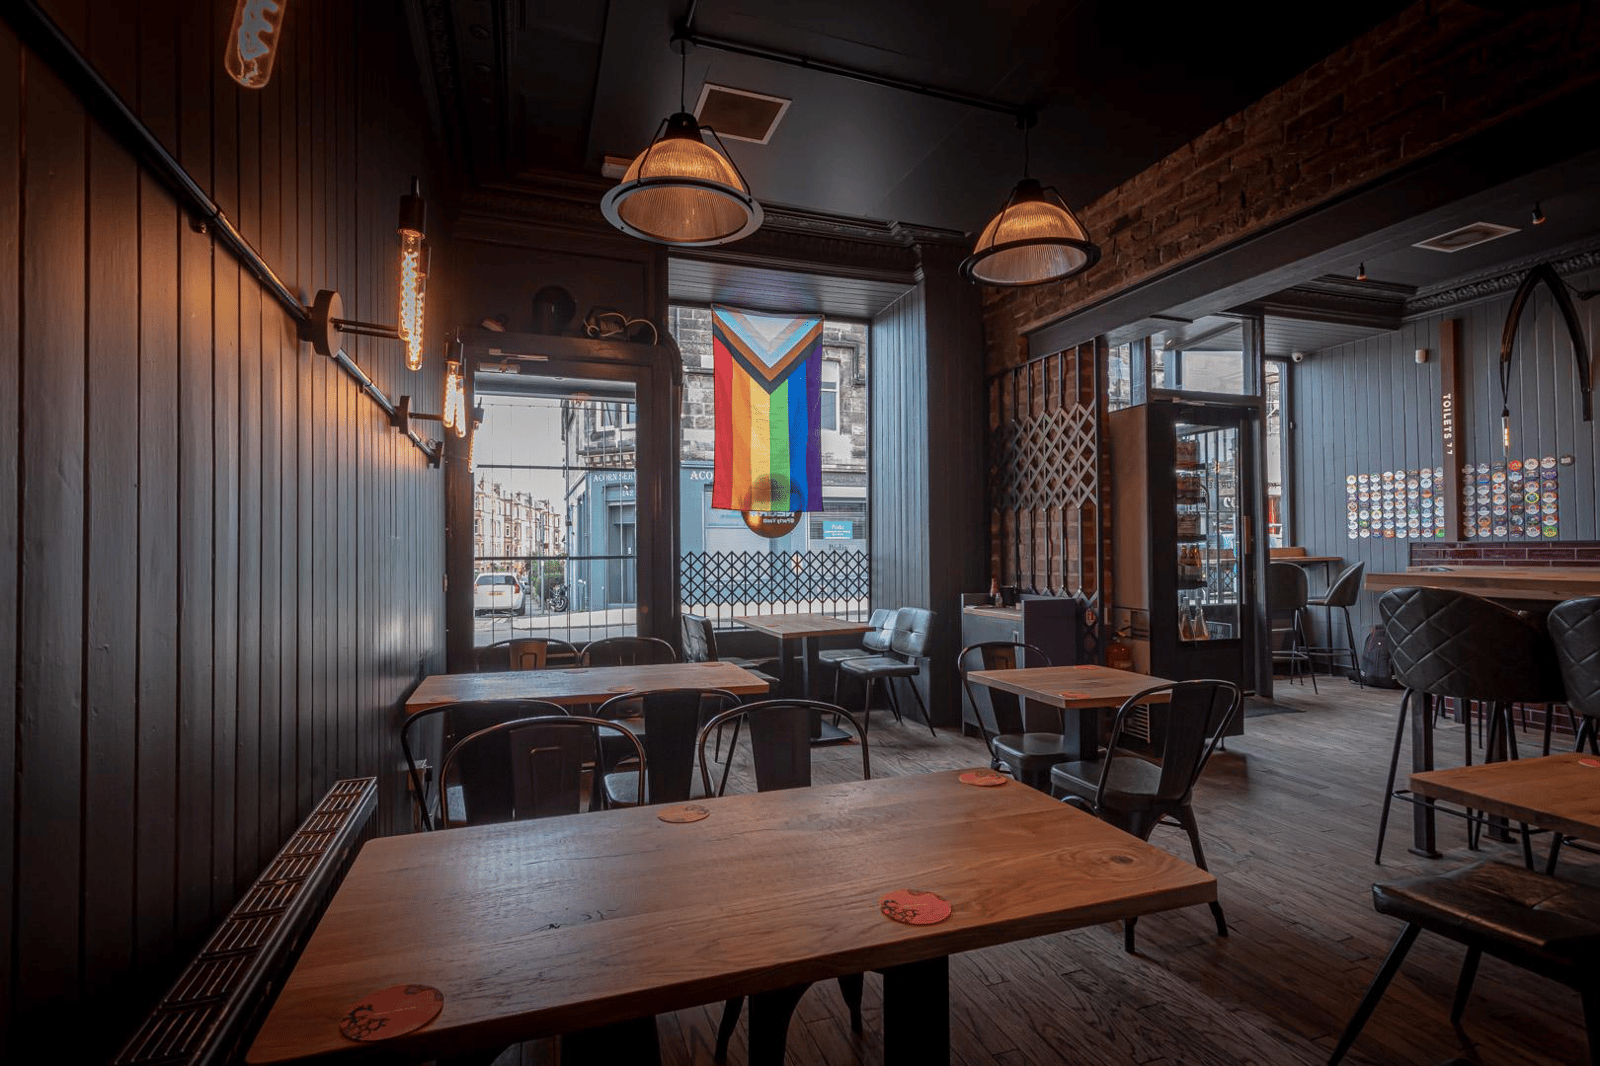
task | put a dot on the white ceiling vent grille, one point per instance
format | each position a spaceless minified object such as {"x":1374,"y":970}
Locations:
{"x":1467,"y":236}
{"x":739,"y":114}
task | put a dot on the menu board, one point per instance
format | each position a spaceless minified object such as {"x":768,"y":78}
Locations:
{"x":1511,"y":498}
{"x":1395,"y":504}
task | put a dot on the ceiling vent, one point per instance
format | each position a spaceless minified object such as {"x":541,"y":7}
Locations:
{"x":739,"y":114}
{"x":1468,"y":236}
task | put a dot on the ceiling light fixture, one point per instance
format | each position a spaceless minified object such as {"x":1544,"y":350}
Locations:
{"x":1538,"y":214}
{"x":1034,"y":239}
{"x":681,"y":190}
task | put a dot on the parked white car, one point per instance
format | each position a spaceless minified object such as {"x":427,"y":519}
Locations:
{"x":498,"y":592}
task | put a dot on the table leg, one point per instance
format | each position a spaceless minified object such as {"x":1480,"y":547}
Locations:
{"x":916,"y":1013}
{"x":631,"y":1041}
{"x":1422,"y":819}
{"x":821,"y":732}
{"x":769,"y":1024}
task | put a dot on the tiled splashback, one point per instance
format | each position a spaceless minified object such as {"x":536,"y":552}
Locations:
{"x":1499,"y":553}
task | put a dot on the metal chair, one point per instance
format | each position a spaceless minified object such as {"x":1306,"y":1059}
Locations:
{"x":1445,"y":643}
{"x":525,"y":768}
{"x":1575,"y":633}
{"x":700,"y":646}
{"x":507,"y":654}
{"x":1342,"y":595}
{"x":780,"y":748}
{"x":908,"y":643}
{"x":873,"y":642}
{"x":628,"y":651}
{"x":1026,"y":756}
{"x":460,"y":720}
{"x":1288,"y":593}
{"x":672,"y":720}
{"x":1136,"y":793}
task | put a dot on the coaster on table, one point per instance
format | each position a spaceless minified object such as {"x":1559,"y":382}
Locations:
{"x":982,"y":778}
{"x":911,"y":907}
{"x":688,"y":812}
{"x":620,"y":688}
{"x":394,"y":1011}
{"x":1075,"y":696}
{"x":1589,"y":762}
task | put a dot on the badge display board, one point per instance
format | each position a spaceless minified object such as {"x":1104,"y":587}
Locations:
{"x":1514,"y":499}
{"x":1396,"y":504}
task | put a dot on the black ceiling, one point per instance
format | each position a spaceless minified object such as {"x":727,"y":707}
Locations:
{"x":531,"y":86}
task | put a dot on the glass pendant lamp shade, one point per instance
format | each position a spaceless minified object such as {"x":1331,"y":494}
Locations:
{"x":683,"y":191}
{"x":1035,"y":238}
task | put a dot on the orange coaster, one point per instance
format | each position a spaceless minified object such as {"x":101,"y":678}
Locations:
{"x":982,"y":778}
{"x":912,"y":907}
{"x":688,"y":812}
{"x":1589,"y":762}
{"x":620,"y":688}
{"x":392,"y":1012}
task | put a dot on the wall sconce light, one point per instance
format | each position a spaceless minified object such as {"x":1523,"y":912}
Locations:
{"x":1361,"y":272}
{"x":1538,"y":214}
{"x":455,"y":396}
{"x":253,"y":41}
{"x":413,"y":272}
{"x":1422,"y":355}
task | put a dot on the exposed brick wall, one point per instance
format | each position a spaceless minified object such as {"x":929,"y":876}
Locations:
{"x":1469,"y":553}
{"x":1432,"y":75}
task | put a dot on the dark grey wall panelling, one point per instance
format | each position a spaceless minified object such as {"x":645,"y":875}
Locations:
{"x":223,"y":566}
{"x":1369,"y":407}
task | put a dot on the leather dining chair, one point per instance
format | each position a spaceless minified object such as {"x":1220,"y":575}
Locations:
{"x":908,"y":644}
{"x":1026,"y":756}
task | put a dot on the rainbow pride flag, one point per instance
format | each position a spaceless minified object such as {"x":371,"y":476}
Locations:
{"x":768,"y":375}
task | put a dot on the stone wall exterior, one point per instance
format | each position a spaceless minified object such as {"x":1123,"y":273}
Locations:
{"x":1434,"y":74}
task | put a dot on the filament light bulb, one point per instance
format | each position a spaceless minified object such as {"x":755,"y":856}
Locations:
{"x":455,"y":399}
{"x":253,"y":41}
{"x":413,"y":272}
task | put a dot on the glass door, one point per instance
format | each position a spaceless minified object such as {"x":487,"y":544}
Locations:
{"x":1208,"y":526}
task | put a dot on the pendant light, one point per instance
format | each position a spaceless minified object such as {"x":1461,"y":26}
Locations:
{"x":1035,"y":238}
{"x":413,"y":272}
{"x":681,"y":190}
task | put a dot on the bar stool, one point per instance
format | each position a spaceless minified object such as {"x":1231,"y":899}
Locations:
{"x":1341,"y":594}
{"x":1445,"y":643}
{"x":1288,"y":593}
{"x":1575,"y":632}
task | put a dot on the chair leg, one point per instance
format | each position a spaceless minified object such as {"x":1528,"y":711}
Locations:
{"x":1127,"y":935}
{"x":866,"y":704}
{"x":1591,"y":1022}
{"x":1186,"y":818}
{"x":730,"y":1022}
{"x":769,"y":1023}
{"x":894,"y":700}
{"x":1549,"y":724}
{"x":1380,"y":983}
{"x":851,"y":986}
{"x":1394,"y":762}
{"x":1469,"y":970}
{"x":1556,"y":840}
{"x":926,"y":717}
{"x":1355,"y":658}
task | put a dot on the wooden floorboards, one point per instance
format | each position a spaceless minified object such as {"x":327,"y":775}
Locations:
{"x":1288,"y":818}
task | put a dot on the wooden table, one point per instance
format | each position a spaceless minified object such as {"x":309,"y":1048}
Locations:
{"x":1072,"y":689}
{"x":537,"y":928}
{"x":1557,"y":792}
{"x":1325,"y":561}
{"x":803,"y":629}
{"x":580,"y":685}
{"x":1550,"y":584}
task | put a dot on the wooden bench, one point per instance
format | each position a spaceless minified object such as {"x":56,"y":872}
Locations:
{"x":219,"y":999}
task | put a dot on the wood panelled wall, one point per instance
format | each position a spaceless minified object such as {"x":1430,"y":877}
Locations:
{"x":222,"y":566}
{"x":1368,"y":406}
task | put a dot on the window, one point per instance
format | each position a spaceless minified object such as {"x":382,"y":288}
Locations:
{"x":830,"y":395}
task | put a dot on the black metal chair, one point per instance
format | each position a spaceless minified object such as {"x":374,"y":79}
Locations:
{"x":514,"y":654}
{"x":1026,"y":756}
{"x":526,"y":768}
{"x":1136,"y":792}
{"x":459,"y":720}
{"x":873,"y":642}
{"x":628,"y":651}
{"x":1574,"y":628}
{"x":700,"y":646}
{"x":1341,"y":595}
{"x":1528,"y":919}
{"x":672,"y":720}
{"x":1287,"y":595}
{"x":780,"y":749}
{"x":1450,"y":644}
{"x":908,"y":643}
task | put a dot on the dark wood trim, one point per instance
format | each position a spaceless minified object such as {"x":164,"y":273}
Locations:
{"x":1451,"y":411}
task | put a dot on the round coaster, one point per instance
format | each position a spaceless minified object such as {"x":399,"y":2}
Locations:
{"x":394,"y":1011}
{"x":688,"y":812}
{"x":1589,"y":762}
{"x":982,"y":778}
{"x":912,"y":907}
{"x":620,"y":688}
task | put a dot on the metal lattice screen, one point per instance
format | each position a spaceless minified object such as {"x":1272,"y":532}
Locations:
{"x":722,"y":584}
{"x":1047,"y":481}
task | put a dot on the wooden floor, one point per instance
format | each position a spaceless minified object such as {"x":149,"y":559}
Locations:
{"x":1288,"y":817}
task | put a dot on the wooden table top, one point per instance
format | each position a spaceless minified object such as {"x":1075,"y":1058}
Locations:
{"x":1499,"y":582}
{"x":1298,"y":559}
{"x":1070,"y":686}
{"x":583,"y":684}
{"x":535,"y":928}
{"x":1559,"y":792}
{"x":799,"y":626}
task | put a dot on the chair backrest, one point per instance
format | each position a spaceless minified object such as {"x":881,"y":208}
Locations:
{"x":1575,"y":632}
{"x":1186,"y":727}
{"x":699,"y":641}
{"x":1346,"y":587}
{"x":909,"y":638}
{"x":492,"y":658}
{"x":628,"y":651}
{"x":1449,"y":643}
{"x":780,"y":742}
{"x":526,"y":768}
{"x":460,"y":720}
{"x":882,"y":632}
{"x":672,"y":720}
{"x":1287,"y":588}
{"x":506,"y":654}
{"x":999,"y":712}
{"x":529,"y":654}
